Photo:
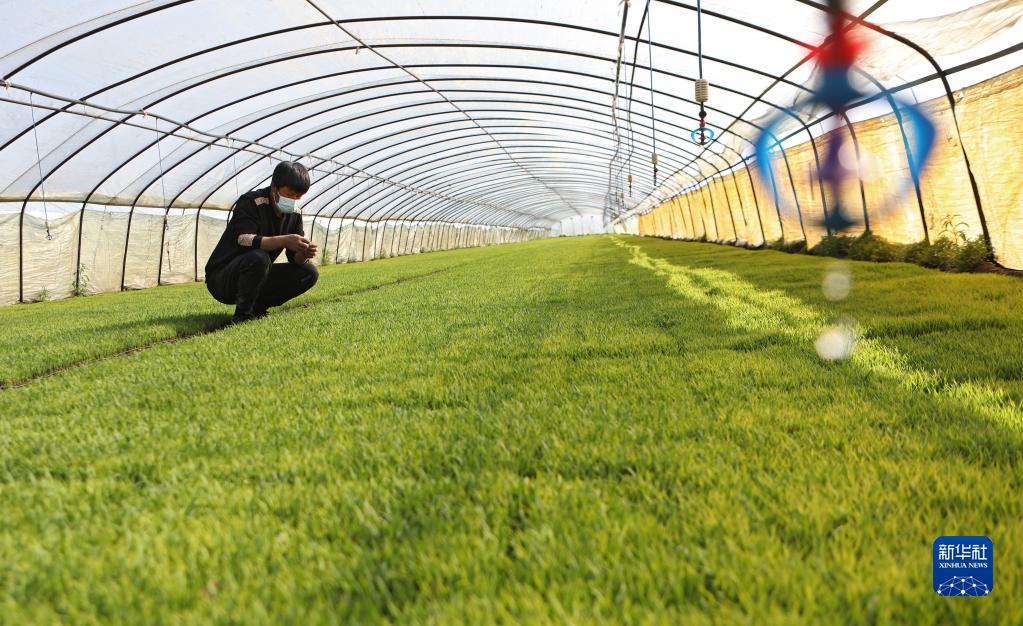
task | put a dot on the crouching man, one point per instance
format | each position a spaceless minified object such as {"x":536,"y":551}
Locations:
{"x":241,"y":271}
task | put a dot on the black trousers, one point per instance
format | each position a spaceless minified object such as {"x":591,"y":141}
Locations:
{"x":253,"y":283}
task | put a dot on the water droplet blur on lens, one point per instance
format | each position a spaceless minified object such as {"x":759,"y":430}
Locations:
{"x":836,"y":342}
{"x":837,"y":282}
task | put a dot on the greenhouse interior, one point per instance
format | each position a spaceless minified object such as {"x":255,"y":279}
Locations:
{"x":534,"y":312}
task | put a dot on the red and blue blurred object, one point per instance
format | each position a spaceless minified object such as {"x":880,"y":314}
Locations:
{"x":836,"y":58}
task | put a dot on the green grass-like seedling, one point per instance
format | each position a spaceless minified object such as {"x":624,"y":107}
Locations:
{"x":591,"y":430}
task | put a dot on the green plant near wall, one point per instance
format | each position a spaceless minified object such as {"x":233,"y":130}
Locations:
{"x":835,"y":246}
{"x":952,"y":227}
{"x":81,"y":286}
{"x":949,"y":255}
{"x":325,"y":258}
{"x":952,"y":251}
{"x":791,"y":247}
{"x":974,"y":252}
{"x":870,"y":247}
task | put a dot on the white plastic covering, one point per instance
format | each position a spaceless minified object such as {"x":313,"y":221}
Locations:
{"x":49,"y":265}
{"x":581,"y":225}
{"x":420,"y":118}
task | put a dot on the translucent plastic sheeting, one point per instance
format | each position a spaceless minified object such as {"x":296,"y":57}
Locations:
{"x":430,"y":124}
{"x":628,"y":226}
{"x":307,"y":71}
{"x":989,"y":117}
{"x":581,"y":225}
{"x":49,"y":237}
{"x":906,"y":43}
{"x":978,"y":29}
{"x":992,"y":128}
{"x":103,"y":236}
{"x":68,"y":250}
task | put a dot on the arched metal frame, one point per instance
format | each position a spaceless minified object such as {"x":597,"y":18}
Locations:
{"x":939,"y":73}
{"x":544,"y":208}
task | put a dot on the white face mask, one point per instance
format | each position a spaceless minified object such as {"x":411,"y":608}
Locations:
{"x":286,"y":205}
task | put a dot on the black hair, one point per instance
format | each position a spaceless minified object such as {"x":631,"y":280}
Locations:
{"x":291,"y":174}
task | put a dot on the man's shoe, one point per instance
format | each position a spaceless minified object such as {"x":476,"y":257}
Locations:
{"x":241,"y":318}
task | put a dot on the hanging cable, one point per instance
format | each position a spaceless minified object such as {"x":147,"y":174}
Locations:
{"x":163,"y":185}
{"x":234,"y":161}
{"x":340,"y":203}
{"x":237,"y":187}
{"x":699,"y":36}
{"x":163,"y":195}
{"x":653,"y":113}
{"x":703,"y":134}
{"x":632,"y":86}
{"x":613,"y":204}
{"x":39,"y":166}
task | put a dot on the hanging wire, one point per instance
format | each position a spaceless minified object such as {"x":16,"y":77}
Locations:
{"x":80,"y":270}
{"x":699,"y":35}
{"x":163,"y":186}
{"x":632,"y":89}
{"x":653,"y":113}
{"x":612,"y":202}
{"x":237,"y":188}
{"x":234,"y":163}
{"x":702,"y":87}
{"x":626,"y":162}
{"x":39,"y":166}
{"x":340,"y":203}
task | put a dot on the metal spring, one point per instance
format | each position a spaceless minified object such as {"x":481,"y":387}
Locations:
{"x":702,"y":90}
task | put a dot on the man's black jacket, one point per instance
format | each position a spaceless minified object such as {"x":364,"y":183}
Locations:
{"x":253,"y":214}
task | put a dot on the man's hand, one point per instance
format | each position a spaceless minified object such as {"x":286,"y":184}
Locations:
{"x":302,"y":248}
{"x":299,"y":245}
{"x":309,"y":253}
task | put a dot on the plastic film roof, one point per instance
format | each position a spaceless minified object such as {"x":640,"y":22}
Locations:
{"x":522,"y":113}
